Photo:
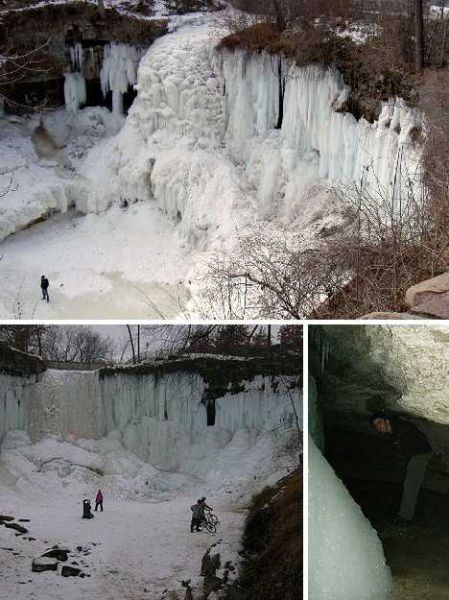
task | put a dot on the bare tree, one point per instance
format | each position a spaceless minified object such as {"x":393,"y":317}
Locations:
{"x":419,"y":35}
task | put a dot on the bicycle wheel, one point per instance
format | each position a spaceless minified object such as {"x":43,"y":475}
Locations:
{"x":211,"y":527}
{"x":213,"y":519}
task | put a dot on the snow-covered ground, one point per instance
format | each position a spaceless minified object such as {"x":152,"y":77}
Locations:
{"x":141,"y":544}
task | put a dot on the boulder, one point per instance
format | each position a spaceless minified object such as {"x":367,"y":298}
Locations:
{"x":17,"y":527}
{"x":390,"y":316}
{"x":67,"y":571}
{"x":430,"y":297}
{"x":44,"y":564}
{"x":5,"y":518}
{"x":58,"y":553}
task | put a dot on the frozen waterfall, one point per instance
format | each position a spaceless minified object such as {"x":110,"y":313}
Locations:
{"x":201,"y":139}
{"x":346,"y":558}
{"x":158,"y":417}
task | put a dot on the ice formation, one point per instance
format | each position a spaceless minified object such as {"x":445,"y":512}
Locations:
{"x":346,"y":558}
{"x":77,"y":57}
{"x":203,"y":117}
{"x":161,"y":419}
{"x":118,"y":72}
{"x":74,"y":91}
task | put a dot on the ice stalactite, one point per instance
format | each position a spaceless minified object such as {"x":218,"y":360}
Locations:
{"x":118,"y":72}
{"x":75,"y":84}
{"x":346,"y":558}
{"x":74,"y":91}
{"x":76,"y":57}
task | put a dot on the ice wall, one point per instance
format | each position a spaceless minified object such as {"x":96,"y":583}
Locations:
{"x":346,"y":559}
{"x":158,"y":417}
{"x":201,"y":139}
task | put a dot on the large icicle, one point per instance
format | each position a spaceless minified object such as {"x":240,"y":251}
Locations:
{"x":118,"y":72}
{"x":74,"y":91}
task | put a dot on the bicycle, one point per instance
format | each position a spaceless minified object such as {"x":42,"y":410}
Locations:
{"x":208,"y":524}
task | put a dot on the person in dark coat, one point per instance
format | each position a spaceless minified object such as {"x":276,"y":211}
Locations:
{"x":196,"y":516}
{"x":87,"y":513}
{"x":412,"y":445}
{"x":99,"y":501}
{"x":44,"y":287}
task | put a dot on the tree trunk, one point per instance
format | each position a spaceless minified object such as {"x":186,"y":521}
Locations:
{"x":132,"y":342}
{"x":419,"y":35}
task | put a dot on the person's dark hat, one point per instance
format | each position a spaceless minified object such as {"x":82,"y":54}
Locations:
{"x":379,"y":414}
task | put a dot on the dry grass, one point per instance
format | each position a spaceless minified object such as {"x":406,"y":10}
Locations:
{"x":272,"y":567}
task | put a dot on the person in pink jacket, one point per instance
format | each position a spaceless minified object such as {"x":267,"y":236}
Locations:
{"x":99,"y":501}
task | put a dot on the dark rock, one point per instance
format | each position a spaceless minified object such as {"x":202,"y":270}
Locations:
{"x":67,"y":571}
{"x":58,"y":553}
{"x":44,"y":564}
{"x":24,"y":520}
{"x":209,"y":566}
{"x":79,"y":548}
{"x":17,"y":527}
{"x":5,"y":518}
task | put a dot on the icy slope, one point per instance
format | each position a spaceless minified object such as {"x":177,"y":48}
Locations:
{"x":346,"y":559}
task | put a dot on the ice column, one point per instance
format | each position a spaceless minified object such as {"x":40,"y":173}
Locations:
{"x":75,"y":83}
{"x":118,"y":72}
{"x":346,"y":558}
{"x":74,"y":91}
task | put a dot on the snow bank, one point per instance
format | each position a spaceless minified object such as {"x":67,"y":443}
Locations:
{"x":346,"y":559}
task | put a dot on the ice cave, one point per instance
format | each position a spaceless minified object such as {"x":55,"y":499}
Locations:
{"x":362,"y":543}
{"x":153,"y":438}
{"x":163,"y":154}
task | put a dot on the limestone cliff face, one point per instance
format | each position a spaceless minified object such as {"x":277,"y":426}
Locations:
{"x":49,"y":32}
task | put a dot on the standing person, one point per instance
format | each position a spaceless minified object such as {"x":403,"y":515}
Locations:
{"x":99,"y":501}
{"x":412,"y":445}
{"x":44,"y":287}
{"x":196,"y":519}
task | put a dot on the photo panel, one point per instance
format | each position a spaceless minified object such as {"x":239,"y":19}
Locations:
{"x":378,"y":475}
{"x":151,"y":461}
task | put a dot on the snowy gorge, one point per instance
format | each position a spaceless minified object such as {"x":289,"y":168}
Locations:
{"x":197,"y":161}
{"x":144,"y":439}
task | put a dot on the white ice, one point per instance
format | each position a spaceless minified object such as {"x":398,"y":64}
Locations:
{"x":346,"y":558}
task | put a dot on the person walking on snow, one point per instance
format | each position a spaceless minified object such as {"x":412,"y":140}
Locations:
{"x":44,"y":287}
{"x":99,"y":501}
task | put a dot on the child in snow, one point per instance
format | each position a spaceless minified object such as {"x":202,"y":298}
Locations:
{"x":99,"y":501}
{"x":87,"y":514}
